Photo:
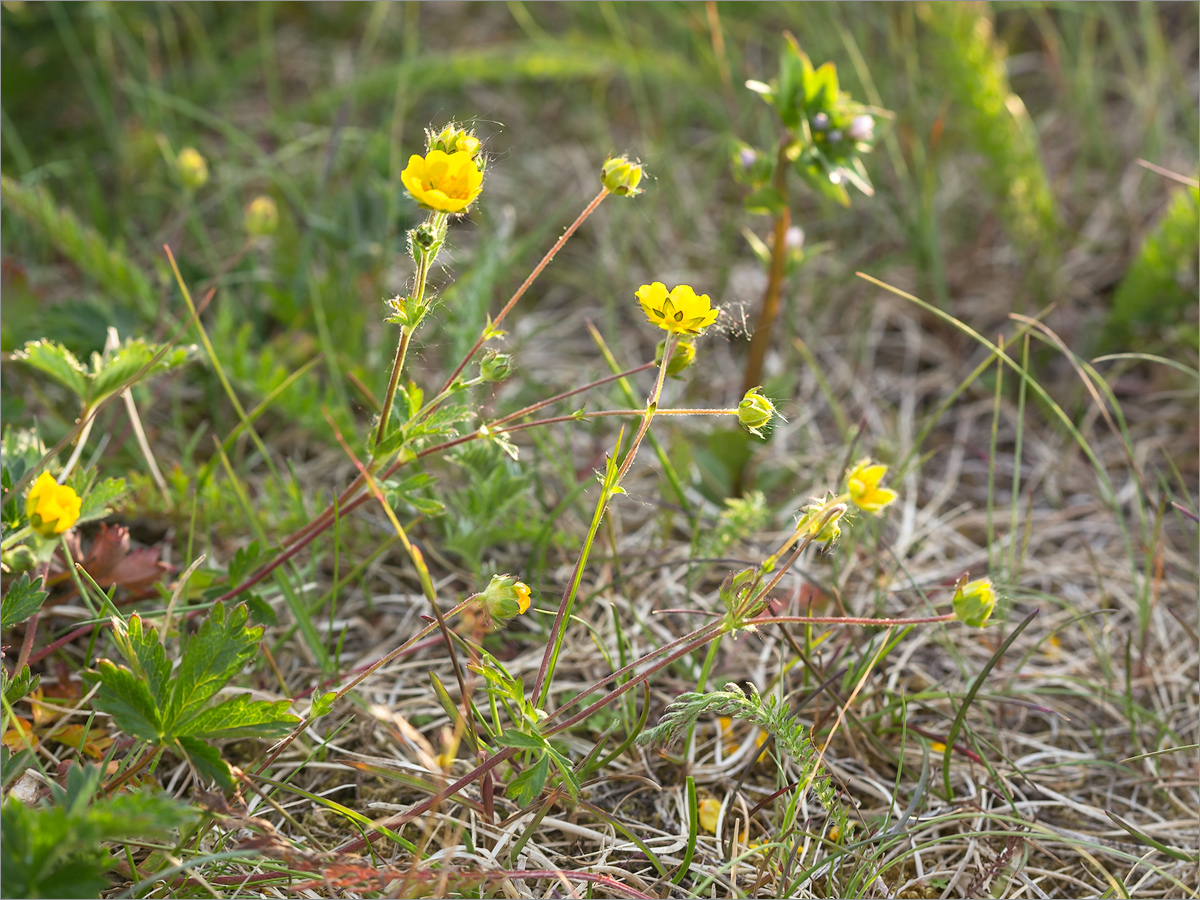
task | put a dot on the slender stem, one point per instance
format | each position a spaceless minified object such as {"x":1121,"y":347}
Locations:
{"x":537,"y":270}
{"x":357,"y":680}
{"x":347,"y":502}
{"x":770,"y":307}
{"x":541,"y":686}
{"x":385,"y":412}
{"x":89,"y":419}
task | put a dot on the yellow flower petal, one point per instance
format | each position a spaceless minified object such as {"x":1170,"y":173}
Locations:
{"x":446,"y":182}
{"x":51,"y":508}
{"x":709,"y":811}
{"x":682,"y":311}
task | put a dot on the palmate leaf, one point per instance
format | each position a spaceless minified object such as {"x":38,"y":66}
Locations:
{"x":57,"y":850}
{"x":527,"y":786}
{"x":127,"y":698}
{"x":217,"y":652}
{"x":55,"y":360}
{"x":120,"y":369}
{"x":172,"y":709}
{"x":240,"y":717}
{"x":23,"y":599}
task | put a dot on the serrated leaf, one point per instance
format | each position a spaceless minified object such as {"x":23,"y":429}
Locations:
{"x":23,"y":599}
{"x":216,"y":653}
{"x":527,"y":786}
{"x":20,"y":685}
{"x":55,"y":360}
{"x":151,"y":659}
{"x":127,"y":699}
{"x":125,"y":367}
{"x":245,"y":561}
{"x":238,"y":718}
{"x":566,"y":770}
{"x":206,"y":761}
{"x":322,"y":705}
{"x":95,"y":503}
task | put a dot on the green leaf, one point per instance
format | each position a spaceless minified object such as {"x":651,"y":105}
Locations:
{"x":127,"y":698}
{"x":121,"y":369}
{"x":566,"y":770}
{"x":767,"y":200}
{"x":522,"y":741}
{"x":18,"y":686}
{"x":452,"y":711}
{"x":150,"y":658}
{"x":217,"y":652}
{"x":55,"y":360}
{"x":57,"y":850}
{"x":95,"y":503}
{"x":23,"y":599}
{"x":206,"y":760}
{"x":322,"y":705}
{"x":245,"y":561}
{"x":527,"y":786}
{"x":240,"y":717}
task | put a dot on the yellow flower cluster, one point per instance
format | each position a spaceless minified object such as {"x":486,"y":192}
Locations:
{"x":51,"y":508}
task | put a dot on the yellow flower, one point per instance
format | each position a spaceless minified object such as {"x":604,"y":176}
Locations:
{"x":681,"y":312}
{"x":446,"y":182}
{"x":862,"y":483}
{"x":51,"y":508}
{"x":709,"y":811}
{"x":523,"y":595}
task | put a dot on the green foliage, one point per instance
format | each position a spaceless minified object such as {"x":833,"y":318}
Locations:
{"x":768,"y":714}
{"x":969,"y":64}
{"x":491,"y":507}
{"x":110,"y":373}
{"x":84,"y":246}
{"x":148,"y":701}
{"x":1160,"y":288}
{"x":56,"y":849}
{"x":23,"y":599}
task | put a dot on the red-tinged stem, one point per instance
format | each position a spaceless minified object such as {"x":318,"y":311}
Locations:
{"x":425,"y":805}
{"x":305,"y":536}
{"x":848,"y":620}
{"x":537,"y":270}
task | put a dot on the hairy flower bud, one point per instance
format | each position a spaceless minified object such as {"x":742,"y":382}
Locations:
{"x":495,"y":366}
{"x":621,"y":176}
{"x":261,"y":217}
{"x":505,"y":597}
{"x":755,"y":411}
{"x":192,"y":168}
{"x":974,"y":601}
{"x":682,"y":357}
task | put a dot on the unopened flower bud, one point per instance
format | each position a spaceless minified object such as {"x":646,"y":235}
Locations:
{"x":467,"y":143}
{"x":192,"y":168}
{"x":862,"y":128}
{"x":621,"y":176}
{"x":424,"y":236}
{"x":747,"y":156}
{"x":755,"y":412}
{"x":495,"y":366}
{"x":261,"y":217}
{"x":820,"y":121}
{"x":822,"y":520}
{"x":974,"y":601}
{"x":682,"y":357}
{"x":19,"y":559}
{"x":505,"y":597}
